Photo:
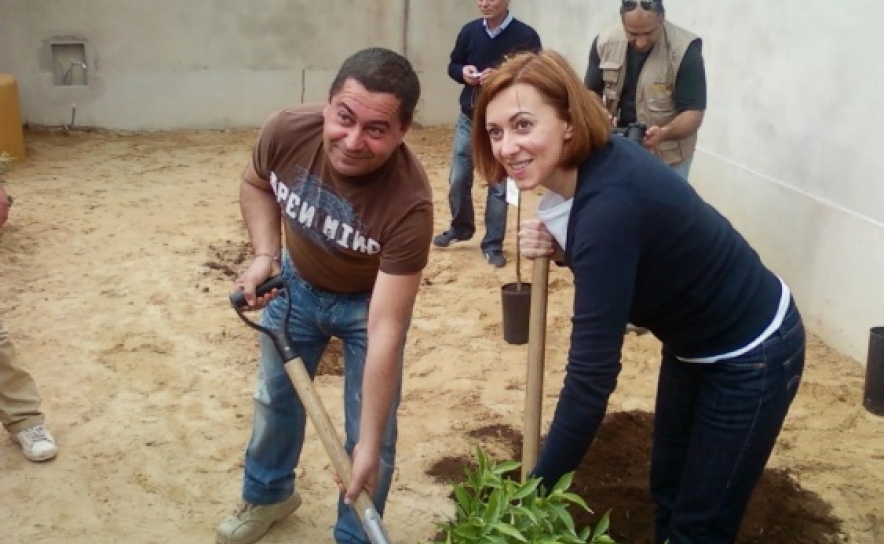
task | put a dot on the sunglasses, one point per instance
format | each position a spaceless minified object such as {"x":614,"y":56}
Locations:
{"x":647,"y":5}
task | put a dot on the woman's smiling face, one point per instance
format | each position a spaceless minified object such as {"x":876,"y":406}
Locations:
{"x":527,"y":135}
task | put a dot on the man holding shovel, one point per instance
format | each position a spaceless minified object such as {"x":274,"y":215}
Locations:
{"x":356,"y":209}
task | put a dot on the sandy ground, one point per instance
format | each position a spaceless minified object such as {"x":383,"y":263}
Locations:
{"x":115,"y":270}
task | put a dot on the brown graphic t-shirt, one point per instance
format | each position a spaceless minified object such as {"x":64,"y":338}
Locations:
{"x":341,"y":230}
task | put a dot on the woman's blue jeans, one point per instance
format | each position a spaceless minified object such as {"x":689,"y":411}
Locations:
{"x":714,"y":430}
{"x":278,"y":430}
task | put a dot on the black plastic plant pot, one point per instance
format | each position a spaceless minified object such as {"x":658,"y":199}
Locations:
{"x":873,"y":398}
{"x":516,"y":299}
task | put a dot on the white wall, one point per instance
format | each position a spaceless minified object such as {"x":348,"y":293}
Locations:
{"x":166,"y":64}
{"x":789,"y":150}
{"x":791,"y":146}
{"x":570,"y":26}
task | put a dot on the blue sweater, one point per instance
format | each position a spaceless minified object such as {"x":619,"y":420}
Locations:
{"x":644,"y":248}
{"x":474,"y":46}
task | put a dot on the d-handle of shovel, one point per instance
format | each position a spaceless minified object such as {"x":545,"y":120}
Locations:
{"x":238,"y":298}
{"x":278,"y":336}
{"x":294,"y":367}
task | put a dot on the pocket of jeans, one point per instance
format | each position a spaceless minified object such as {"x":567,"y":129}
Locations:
{"x":286,"y":264}
{"x":744,"y":378}
{"x":793,"y":370}
{"x":791,"y":315}
{"x":791,"y":325}
{"x":792,"y":386}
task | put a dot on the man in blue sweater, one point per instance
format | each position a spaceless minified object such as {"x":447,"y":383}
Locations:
{"x":481,"y":45}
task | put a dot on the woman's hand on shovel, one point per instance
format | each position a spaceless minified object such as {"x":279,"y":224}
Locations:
{"x":535,"y":241}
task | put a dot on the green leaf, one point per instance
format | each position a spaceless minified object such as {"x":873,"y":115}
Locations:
{"x":522,"y":512}
{"x":575,"y":499}
{"x":527,"y":488}
{"x":468,"y":532}
{"x":602,"y":526}
{"x":510,"y":531}
{"x":483,"y":460}
{"x":507,"y":466}
{"x":492,"y":509}
{"x":563,"y":516}
{"x":563,"y":483}
{"x":463,"y":499}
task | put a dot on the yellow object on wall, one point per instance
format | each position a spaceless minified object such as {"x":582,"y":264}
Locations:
{"x":12,"y":138}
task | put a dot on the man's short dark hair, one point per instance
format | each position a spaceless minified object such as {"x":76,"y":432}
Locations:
{"x":381,"y":70}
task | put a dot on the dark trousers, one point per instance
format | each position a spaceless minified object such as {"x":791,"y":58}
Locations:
{"x":714,"y":430}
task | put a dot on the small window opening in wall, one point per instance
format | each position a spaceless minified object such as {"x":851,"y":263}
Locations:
{"x":69,"y":62}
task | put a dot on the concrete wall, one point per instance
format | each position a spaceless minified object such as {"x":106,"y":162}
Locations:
{"x":169,"y":64}
{"x":788,"y":151}
{"x":791,"y":150}
{"x":433,"y":26}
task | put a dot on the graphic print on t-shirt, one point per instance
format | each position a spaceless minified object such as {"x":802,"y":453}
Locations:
{"x":313,"y":211}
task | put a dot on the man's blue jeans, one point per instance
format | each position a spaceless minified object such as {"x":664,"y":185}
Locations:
{"x":463,"y":219}
{"x":715,"y":427}
{"x":683,"y":168}
{"x":278,"y":430}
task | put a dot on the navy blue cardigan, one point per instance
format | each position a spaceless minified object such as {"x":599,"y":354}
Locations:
{"x":644,"y":248}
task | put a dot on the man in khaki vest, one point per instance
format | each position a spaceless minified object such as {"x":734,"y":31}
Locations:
{"x":651,"y":71}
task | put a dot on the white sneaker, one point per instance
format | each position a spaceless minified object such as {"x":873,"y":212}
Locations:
{"x":37,"y":443}
{"x":250,"y":522}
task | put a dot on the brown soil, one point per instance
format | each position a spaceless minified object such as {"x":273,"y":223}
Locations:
{"x":614,"y":476}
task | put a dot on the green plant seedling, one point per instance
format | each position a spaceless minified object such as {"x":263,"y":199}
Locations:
{"x":494,"y":509}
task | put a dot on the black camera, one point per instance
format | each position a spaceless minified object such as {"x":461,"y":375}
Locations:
{"x":633,"y":131}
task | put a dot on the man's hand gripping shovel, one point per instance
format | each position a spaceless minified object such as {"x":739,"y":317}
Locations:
{"x":368,"y":515}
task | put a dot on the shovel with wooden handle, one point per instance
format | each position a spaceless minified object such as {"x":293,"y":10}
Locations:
{"x":368,"y":515}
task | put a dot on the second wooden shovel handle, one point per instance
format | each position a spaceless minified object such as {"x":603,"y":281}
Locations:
{"x":536,"y":351}
{"x":371,"y":521}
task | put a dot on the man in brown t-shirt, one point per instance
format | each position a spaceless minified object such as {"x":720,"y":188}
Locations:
{"x":355,"y":207}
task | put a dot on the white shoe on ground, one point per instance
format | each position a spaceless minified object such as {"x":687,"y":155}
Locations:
{"x":37,"y":443}
{"x":250,"y":522}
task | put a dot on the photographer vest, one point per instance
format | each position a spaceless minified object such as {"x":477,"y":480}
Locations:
{"x":654,"y":100}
